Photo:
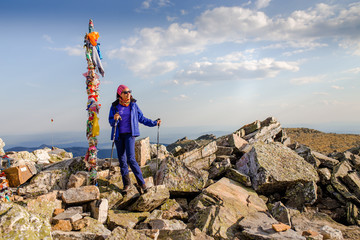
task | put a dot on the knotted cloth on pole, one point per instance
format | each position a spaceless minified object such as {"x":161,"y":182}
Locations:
{"x":93,"y":58}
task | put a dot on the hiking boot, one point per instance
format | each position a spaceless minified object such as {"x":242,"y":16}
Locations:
{"x":144,"y":188}
{"x":126,"y":182}
{"x":126,"y":188}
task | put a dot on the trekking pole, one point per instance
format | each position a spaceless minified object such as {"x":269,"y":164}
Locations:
{"x":112,"y":149}
{"x":157,"y":146}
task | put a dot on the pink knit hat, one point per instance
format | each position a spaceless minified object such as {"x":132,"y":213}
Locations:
{"x":121,"y":89}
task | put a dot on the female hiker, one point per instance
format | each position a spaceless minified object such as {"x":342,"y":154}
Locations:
{"x":125,"y":112}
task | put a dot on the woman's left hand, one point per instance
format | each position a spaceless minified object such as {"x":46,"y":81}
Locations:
{"x":158,"y":122}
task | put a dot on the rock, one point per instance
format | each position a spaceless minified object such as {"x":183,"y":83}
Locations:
{"x":21,"y":155}
{"x":352,"y":214}
{"x":125,"y":219}
{"x":45,"y":182}
{"x":325,"y":175}
{"x":227,"y":151}
{"x":61,"y":235}
{"x":324,"y":160}
{"x":312,"y":235}
{"x":17,"y":223}
{"x":315,"y":221}
{"x":99,"y":210}
{"x":154,"y":197}
{"x":2,"y":145}
{"x":81,"y":195}
{"x":62,"y":225}
{"x":161,"y":151}
{"x":43,"y":208}
{"x":183,"y":202}
{"x":220,"y":205}
{"x":281,"y":213}
{"x":280,"y":227}
{"x":57,"y":154}
{"x":352,"y":181}
{"x":239,"y":177}
{"x":251,"y":127}
{"x":331,"y":233}
{"x":199,"y":235}
{"x":96,"y":227}
{"x":125,"y":234}
{"x":273,"y":167}
{"x":229,"y":140}
{"x":265,"y":131}
{"x":164,"y":224}
{"x":79,"y":179}
{"x":181,"y":234}
{"x":179,"y":178}
{"x":301,"y":194}
{"x":113,"y":197}
{"x":142,"y":150}
{"x":71,"y":214}
{"x":170,"y":205}
{"x":181,"y":146}
{"x":42,"y":156}
{"x":57,"y":211}
{"x":129,"y":198}
{"x":340,"y":172}
{"x":258,"y":225}
{"x":198,"y":155}
{"x":219,"y":169}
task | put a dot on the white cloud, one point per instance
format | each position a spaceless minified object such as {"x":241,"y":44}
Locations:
{"x":146,"y":4}
{"x":183,"y":12}
{"x":337,"y":87}
{"x":307,"y":80}
{"x":354,"y":70}
{"x":228,"y":70}
{"x":262,"y":3}
{"x":301,"y":31}
{"x":47,"y":38}
{"x":182,"y":97}
{"x":71,"y":51}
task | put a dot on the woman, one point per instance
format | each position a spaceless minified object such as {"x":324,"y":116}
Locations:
{"x":126,"y":113}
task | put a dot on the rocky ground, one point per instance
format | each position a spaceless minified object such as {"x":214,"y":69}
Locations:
{"x":325,"y":143}
{"x":252,"y":184}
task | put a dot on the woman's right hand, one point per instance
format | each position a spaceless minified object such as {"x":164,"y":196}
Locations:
{"x":116,"y":117}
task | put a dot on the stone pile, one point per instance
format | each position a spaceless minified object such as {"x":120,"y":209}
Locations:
{"x":250,"y":184}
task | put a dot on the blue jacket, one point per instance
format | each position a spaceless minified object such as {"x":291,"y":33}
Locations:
{"x":136,"y":117}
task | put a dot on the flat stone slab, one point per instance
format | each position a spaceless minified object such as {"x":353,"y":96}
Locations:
{"x":81,"y":195}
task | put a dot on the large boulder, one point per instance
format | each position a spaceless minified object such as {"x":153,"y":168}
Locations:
{"x":81,"y":195}
{"x":125,"y":219}
{"x":154,"y":197}
{"x":346,"y":182}
{"x":200,"y":157}
{"x":180,"y":179}
{"x":42,"y":156}
{"x":258,"y":225}
{"x":218,"y":208}
{"x":45,"y":182}
{"x":17,"y":223}
{"x":268,"y":130}
{"x":142,"y":151}
{"x":273,"y":167}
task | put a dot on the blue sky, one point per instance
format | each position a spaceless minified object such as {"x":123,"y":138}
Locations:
{"x":199,"y":65}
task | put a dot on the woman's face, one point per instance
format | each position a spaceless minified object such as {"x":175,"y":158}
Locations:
{"x":126,"y":94}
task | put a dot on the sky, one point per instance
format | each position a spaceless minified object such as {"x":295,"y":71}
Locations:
{"x":200,"y":66}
